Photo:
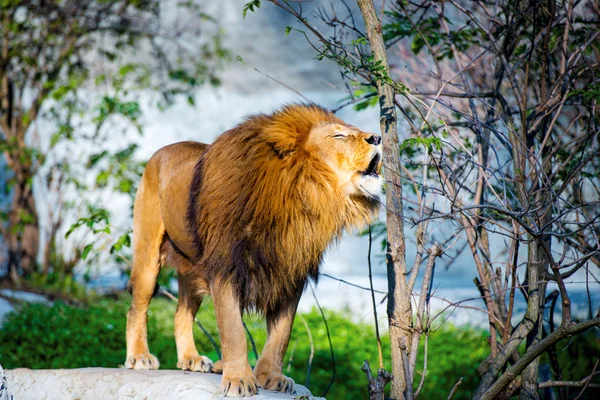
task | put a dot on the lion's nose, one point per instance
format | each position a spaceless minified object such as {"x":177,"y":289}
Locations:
{"x":374,"y":140}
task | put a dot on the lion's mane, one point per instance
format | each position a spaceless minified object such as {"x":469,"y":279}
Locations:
{"x":263,"y":209}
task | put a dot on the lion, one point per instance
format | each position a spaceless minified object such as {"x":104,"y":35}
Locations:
{"x":247,"y":220}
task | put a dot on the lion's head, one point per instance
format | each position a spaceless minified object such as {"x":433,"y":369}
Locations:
{"x":310,"y":135}
{"x":354,"y":155}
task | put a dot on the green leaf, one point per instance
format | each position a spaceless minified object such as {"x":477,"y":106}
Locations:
{"x":360,"y":41}
{"x":86,"y":250}
{"x":250,"y":6}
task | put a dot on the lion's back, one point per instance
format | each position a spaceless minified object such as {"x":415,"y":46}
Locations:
{"x":171,"y":172}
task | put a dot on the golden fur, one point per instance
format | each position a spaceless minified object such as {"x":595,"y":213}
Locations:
{"x":247,"y":220}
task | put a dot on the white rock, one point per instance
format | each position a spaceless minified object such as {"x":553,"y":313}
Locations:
{"x":4,"y":394}
{"x":107,"y":383}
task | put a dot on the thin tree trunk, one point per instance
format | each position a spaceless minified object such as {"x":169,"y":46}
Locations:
{"x":529,"y":377}
{"x":399,"y":305}
{"x":23,"y":234}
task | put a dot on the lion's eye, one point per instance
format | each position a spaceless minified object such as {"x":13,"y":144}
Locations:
{"x":338,"y":135}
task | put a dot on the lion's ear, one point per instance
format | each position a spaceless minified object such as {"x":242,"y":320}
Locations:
{"x":281,"y":141}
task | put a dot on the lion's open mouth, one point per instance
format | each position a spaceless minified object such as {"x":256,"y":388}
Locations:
{"x":372,"y":168}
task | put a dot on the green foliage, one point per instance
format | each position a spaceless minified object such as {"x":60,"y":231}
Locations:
{"x":251,"y":6}
{"x":119,"y":170}
{"x":123,"y":240}
{"x":430,"y":143}
{"x":61,"y":336}
{"x":355,"y":60}
{"x":97,"y":221}
{"x":453,"y":352}
{"x":398,"y":27}
{"x":590,"y":92}
{"x":58,"y":283}
{"x":428,"y":30}
{"x":64,"y":336}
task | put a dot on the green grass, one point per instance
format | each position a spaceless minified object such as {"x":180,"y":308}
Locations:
{"x":65,"y":336}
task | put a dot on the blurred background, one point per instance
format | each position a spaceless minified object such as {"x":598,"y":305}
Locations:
{"x":141,"y":75}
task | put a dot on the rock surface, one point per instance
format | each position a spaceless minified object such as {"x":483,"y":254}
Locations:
{"x":4,"y":393}
{"x":108,"y":383}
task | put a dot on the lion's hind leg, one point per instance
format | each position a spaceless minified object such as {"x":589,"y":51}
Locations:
{"x":148,"y":236}
{"x":143,"y":283}
{"x":190,"y":299}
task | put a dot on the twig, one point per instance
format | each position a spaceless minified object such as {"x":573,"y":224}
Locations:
{"x":376,"y":386}
{"x":352,"y":284}
{"x":328,"y":338}
{"x":312,"y":350}
{"x":455,"y":387}
{"x":407,"y":377}
{"x":587,"y":383}
{"x":379,"y":349}
{"x":434,"y":252}
{"x":424,"y":374}
{"x":283,"y":84}
{"x":289,"y":366}
{"x":251,"y":340}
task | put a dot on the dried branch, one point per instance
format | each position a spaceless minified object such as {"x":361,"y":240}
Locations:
{"x":376,"y":386}
{"x":455,"y":388}
{"x":312,"y":350}
{"x":328,"y":338}
{"x":379,"y":348}
{"x":408,"y":393}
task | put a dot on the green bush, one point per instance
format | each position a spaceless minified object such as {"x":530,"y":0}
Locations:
{"x":65,"y":336}
{"x":60,"y":286}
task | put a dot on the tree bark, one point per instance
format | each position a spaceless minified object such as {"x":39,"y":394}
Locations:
{"x":536,"y":264}
{"x":23,"y":234}
{"x":399,"y":305}
{"x":376,"y":386}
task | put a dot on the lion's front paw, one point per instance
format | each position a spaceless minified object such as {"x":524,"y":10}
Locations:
{"x":275,"y":381}
{"x":195,"y":363}
{"x":244,"y":386}
{"x":142,"y":361}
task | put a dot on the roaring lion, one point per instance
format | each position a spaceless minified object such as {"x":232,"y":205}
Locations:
{"x":247,"y":220}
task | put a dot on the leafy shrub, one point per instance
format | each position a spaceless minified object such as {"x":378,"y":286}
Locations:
{"x":59,"y":285}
